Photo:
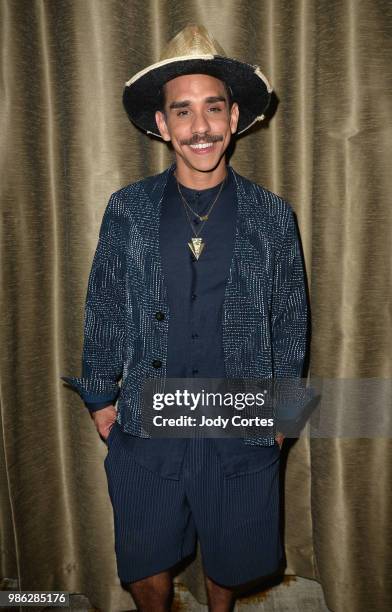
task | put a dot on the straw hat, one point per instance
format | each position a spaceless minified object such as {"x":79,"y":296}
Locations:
{"x":194,"y":51}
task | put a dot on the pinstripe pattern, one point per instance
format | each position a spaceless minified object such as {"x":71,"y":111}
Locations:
{"x":264,"y":311}
{"x":157,"y":520}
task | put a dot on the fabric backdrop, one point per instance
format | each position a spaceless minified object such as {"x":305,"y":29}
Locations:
{"x":67,"y":145}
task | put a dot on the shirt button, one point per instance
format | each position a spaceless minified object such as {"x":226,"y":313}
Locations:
{"x":194,"y":296}
{"x":159,"y":315}
{"x":157,"y":363}
{"x":194,"y":371}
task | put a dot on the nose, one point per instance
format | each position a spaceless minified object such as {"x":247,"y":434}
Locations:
{"x":200,"y":124}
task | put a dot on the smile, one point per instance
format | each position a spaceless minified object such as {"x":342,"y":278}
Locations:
{"x":205,"y":145}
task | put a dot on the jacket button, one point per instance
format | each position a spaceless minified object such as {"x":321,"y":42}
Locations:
{"x":159,"y":315}
{"x":157,"y":363}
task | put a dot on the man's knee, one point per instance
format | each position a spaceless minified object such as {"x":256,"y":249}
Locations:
{"x":153,"y":592}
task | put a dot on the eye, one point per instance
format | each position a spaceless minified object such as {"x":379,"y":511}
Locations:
{"x":215,"y":108}
{"x":182,"y":113}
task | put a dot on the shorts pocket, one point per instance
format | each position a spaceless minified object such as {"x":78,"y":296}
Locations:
{"x":111,"y":433}
{"x":248,"y":459}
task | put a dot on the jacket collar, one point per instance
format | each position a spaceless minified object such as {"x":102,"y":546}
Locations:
{"x":155,"y":185}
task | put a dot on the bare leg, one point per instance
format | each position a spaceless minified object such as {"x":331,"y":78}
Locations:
{"x":154,"y":593}
{"x":220,"y":599}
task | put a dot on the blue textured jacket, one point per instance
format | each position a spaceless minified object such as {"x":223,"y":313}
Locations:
{"x":264,"y":315}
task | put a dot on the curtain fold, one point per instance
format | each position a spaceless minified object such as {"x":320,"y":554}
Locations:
{"x":67,"y":145}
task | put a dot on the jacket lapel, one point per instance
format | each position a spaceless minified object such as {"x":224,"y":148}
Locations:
{"x":246,"y":295}
{"x":154,"y":188}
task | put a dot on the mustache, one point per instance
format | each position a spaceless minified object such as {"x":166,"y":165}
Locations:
{"x":207,"y":138}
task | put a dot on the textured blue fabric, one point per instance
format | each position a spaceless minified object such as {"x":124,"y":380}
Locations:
{"x":236,"y":519}
{"x":94,"y":406}
{"x":264,"y":313}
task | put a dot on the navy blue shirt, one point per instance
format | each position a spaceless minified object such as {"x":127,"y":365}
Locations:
{"x":196,"y":286}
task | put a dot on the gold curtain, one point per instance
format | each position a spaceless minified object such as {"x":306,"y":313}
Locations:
{"x":67,"y":145}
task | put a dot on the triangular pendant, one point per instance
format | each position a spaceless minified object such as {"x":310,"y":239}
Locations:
{"x":196,"y":246}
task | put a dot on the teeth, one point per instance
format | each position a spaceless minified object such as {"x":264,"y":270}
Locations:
{"x":202,"y":146}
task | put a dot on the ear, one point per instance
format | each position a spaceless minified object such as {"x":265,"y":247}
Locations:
{"x":162,"y":127}
{"x":234,"y":116}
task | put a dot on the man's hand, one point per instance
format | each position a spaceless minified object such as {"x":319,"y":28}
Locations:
{"x":279,"y":439}
{"x":104,"y":419}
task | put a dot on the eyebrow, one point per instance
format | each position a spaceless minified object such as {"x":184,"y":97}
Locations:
{"x":185,"y":103}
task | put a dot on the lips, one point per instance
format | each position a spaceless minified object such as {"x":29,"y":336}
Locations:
{"x":202,"y":148}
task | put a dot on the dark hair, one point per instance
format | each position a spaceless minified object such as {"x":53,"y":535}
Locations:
{"x":161,"y":97}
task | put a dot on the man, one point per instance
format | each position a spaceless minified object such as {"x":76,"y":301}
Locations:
{"x":197,"y":274}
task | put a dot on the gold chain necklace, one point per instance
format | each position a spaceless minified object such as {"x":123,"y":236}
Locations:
{"x":197,"y":245}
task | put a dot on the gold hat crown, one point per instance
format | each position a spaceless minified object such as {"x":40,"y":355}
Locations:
{"x":193,"y":40}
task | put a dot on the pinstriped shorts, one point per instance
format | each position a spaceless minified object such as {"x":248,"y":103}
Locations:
{"x":157,"y":521}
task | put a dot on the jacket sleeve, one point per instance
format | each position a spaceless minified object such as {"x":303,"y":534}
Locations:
{"x":289,"y":307}
{"x":104,"y":316}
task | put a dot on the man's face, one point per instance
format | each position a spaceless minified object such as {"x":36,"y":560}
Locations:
{"x":197,"y":120}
